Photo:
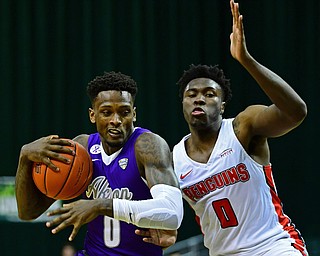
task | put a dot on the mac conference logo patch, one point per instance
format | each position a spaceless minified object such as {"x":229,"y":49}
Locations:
{"x":95,"y":149}
{"x":123,"y":163}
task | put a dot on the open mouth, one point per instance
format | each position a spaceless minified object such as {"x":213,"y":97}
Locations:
{"x":114,"y":132}
{"x":198,"y":112}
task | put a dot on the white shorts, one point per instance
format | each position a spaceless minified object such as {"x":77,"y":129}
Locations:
{"x":284,"y":248}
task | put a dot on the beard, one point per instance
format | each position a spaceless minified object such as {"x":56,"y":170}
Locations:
{"x":198,"y":123}
{"x":205,"y":123}
{"x":115,"y":144}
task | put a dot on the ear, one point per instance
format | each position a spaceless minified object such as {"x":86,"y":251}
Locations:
{"x":222,"y":108}
{"x":92,"y":116}
{"x":134,"y":113}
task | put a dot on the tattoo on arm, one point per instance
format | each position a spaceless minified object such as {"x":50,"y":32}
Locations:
{"x":235,"y":124}
{"x":82,"y":139}
{"x":154,"y":160}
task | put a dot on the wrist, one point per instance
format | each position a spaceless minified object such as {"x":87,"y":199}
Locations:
{"x":24,"y":153}
{"x":104,"y":206}
{"x":246,"y":59}
{"x":24,"y":161}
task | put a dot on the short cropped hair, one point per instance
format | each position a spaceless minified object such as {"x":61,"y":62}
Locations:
{"x":204,"y":71}
{"x":111,"y":81}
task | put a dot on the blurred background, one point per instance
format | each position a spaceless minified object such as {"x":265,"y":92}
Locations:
{"x":51,"y":49}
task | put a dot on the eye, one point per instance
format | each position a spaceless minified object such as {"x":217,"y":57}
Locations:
{"x":126,"y":112}
{"x":210,"y":94}
{"x":191,"y":94}
{"x":106,"y":113}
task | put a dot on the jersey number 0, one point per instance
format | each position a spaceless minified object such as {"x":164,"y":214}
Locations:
{"x":111,"y":232}
{"x":225,"y":213}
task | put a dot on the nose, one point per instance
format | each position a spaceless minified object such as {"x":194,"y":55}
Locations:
{"x":200,"y":100}
{"x":116,"y":120}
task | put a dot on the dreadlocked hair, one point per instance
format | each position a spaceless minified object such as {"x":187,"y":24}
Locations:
{"x":111,"y":81}
{"x":204,"y":71}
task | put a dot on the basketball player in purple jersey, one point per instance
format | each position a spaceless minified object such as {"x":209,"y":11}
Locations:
{"x":223,"y":165}
{"x":133,"y":183}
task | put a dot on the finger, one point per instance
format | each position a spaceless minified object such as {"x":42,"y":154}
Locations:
{"x":55,"y":139}
{"x":62,"y":221}
{"x":142,"y":232}
{"x":236,"y":14}
{"x":56,"y":221}
{"x":58,"y":144}
{"x":241,"y":24}
{"x":60,"y":227}
{"x":58,"y":211}
{"x":231,"y":6}
{"x":50,"y":137}
{"x":232,"y":11}
{"x":148,"y":240}
{"x":58,"y":154}
{"x":57,"y":149}
{"x":74,"y":233}
{"x":47,"y":162}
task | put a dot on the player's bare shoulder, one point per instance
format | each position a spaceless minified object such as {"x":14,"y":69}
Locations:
{"x":82,"y":139}
{"x":241,"y":124}
{"x":151,"y":147}
{"x":154,"y":160}
{"x":244,"y":122}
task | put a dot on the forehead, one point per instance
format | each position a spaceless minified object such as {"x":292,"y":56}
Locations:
{"x":114,"y":96}
{"x":200,"y":83}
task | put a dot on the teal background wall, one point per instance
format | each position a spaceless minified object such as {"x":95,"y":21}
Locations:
{"x":50,"y":50}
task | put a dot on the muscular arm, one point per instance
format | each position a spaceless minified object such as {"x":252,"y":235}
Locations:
{"x":155,"y":160}
{"x":288,"y":109}
{"x":82,"y":139}
{"x":31,"y":202}
{"x":165,"y":210}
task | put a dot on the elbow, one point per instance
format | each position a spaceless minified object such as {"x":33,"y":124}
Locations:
{"x":160,"y":219}
{"x":300,"y":113}
{"x":176,"y":223}
{"x":26,"y":216}
{"x":173,"y":224}
{"x":168,"y":216}
{"x":178,"y":216}
{"x":303,"y":110}
{"x":23,"y":212}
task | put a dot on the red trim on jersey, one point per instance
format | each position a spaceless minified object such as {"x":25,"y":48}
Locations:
{"x":197,"y":218}
{"x":284,"y":220}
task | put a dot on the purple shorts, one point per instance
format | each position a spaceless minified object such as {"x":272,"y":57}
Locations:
{"x":81,"y":253}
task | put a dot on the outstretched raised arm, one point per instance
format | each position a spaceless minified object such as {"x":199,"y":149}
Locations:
{"x":288,"y":109}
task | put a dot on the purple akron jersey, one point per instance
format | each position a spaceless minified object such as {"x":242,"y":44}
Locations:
{"x":118,"y":178}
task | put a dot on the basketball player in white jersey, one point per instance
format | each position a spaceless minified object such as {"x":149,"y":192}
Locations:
{"x":223,"y":165}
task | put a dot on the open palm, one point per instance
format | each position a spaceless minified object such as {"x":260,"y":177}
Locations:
{"x":237,"y":39}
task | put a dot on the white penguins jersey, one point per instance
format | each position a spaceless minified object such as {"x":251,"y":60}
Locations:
{"x":234,"y":198}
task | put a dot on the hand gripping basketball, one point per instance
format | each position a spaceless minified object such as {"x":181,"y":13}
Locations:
{"x":70,"y":181}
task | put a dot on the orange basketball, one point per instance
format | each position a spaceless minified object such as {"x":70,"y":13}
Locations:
{"x":70,"y":181}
